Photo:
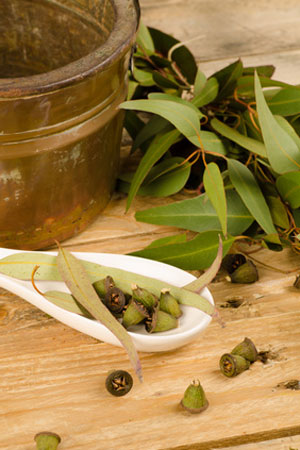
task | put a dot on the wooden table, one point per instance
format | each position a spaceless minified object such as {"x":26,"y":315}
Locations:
{"x":52,"y":377}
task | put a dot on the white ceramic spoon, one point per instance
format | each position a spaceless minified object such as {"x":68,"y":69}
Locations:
{"x":191,"y":323}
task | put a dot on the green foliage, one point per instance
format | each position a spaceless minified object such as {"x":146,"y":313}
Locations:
{"x":236,"y":135}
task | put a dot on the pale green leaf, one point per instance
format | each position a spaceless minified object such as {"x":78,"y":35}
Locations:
{"x":214,"y":188}
{"x":286,"y":102}
{"x":199,"y":82}
{"x":198,"y":214}
{"x":246,"y":142}
{"x":144,"y":38}
{"x":249,"y":191}
{"x":283,"y":153}
{"x":77,"y":280}
{"x":156,"y":150}
{"x":288,"y":186}
{"x":207,"y":94}
{"x":198,"y":253}
{"x":183,"y":117}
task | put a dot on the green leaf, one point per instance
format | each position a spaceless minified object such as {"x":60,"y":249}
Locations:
{"x":199,"y":82}
{"x":210,"y":142}
{"x":278,"y":212}
{"x":76,"y":278}
{"x":290,"y":130}
{"x":133,"y":124}
{"x":165,"y":82}
{"x":158,"y":147}
{"x":227,"y":78}
{"x":288,"y":186}
{"x":175,"y":239}
{"x":154,"y":126}
{"x":143,"y":77}
{"x":198,"y":214}
{"x":196,"y":254}
{"x":183,"y":117}
{"x":67,"y":302}
{"x":286,"y":102}
{"x":171,"y":179}
{"x":174,"y":98}
{"x":182,"y":56}
{"x":209,"y":274}
{"x":249,"y":191}
{"x":250,"y":144}
{"x":208,"y":94}
{"x":265,"y":71}
{"x":245,"y":84}
{"x":214,"y":188}
{"x":144,"y":38}
{"x":283,"y":153}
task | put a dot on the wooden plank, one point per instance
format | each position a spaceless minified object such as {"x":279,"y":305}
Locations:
{"x":52,"y":381}
{"x":289,"y":443}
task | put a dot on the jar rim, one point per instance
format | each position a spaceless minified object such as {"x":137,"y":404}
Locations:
{"x":119,"y":40}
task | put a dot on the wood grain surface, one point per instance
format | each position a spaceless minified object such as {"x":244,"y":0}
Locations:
{"x":52,"y":377}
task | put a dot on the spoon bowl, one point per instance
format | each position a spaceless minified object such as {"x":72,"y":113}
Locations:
{"x":192,"y":322}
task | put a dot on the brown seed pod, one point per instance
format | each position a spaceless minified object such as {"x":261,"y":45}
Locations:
{"x":119,"y":382}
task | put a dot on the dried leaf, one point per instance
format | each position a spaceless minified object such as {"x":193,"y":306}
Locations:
{"x":77,"y":280}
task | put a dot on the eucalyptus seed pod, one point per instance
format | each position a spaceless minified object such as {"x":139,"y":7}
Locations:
{"x":232,"y":365}
{"x":134,"y":313}
{"x":102,"y":286}
{"x":169,"y":304}
{"x":46,"y":440}
{"x":119,"y":382}
{"x":144,"y":296}
{"x":246,"y":349}
{"x":246,"y":273}
{"x":160,"y":321}
{"x":115,"y":300}
{"x":194,"y":400}
{"x":232,"y":261}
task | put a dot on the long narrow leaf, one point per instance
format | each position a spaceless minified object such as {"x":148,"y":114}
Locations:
{"x":283,"y":153}
{"x":246,"y":142}
{"x":198,"y":214}
{"x":209,"y":274}
{"x":183,"y":117}
{"x":156,"y":150}
{"x":198,"y":253}
{"x":214,"y":188}
{"x":249,"y":191}
{"x":77,"y":280}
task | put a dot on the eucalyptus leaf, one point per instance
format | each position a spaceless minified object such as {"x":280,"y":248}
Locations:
{"x":165,"y":82}
{"x":210,"y":142}
{"x":196,"y":254}
{"x":154,"y":126}
{"x":174,"y":98}
{"x":170,"y":181}
{"x":289,"y":129}
{"x":286,"y":102}
{"x":77,"y":280}
{"x":133,"y":124}
{"x":208,"y":276}
{"x":207,"y":94}
{"x":288,"y":186}
{"x":227,"y":78}
{"x":158,"y":147}
{"x":144,"y":38}
{"x":245,"y":84}
{"x":21,"y":264}
{"x":283,"y":153}
{"x":198,"y":214}
{"x":214,"y":188}
{"x":246,"y":142}
{"x":182,"y":56}
{"x":278,"y":212}
{"x":183,"y":117}
{"x":67,"y":302}
{"x":144,"y":77}
{"x":264,"y":70}
{"x":249,"y":191}
{"x":199,"y":82}
{"x":174,"y":239}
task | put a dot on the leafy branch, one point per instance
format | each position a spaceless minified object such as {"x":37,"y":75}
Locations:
{"x":244,"y":125}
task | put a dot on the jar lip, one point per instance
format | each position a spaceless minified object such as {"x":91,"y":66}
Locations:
{"x":120,"y":38}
